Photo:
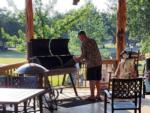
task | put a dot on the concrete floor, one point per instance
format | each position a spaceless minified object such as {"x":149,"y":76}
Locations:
{"x":93,"y":108}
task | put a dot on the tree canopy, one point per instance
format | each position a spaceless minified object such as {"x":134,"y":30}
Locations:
{"x":138,"y":22}
{"x":48,"y":23}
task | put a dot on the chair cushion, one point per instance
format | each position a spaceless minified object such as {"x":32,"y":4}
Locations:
{"x":147,"y":85}
{"x":124,"y":105}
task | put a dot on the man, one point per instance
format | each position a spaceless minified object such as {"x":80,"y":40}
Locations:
{"x":91,"y":55}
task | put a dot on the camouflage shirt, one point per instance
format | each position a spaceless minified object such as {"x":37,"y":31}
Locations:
{"x":91,"y":53}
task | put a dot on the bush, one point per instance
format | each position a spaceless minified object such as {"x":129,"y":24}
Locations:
{"x":21,"y":48}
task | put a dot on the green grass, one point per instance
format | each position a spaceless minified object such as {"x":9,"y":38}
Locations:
{"x":11,"y":60}
{"x":56,"y":80}
{"x":11,"y":56}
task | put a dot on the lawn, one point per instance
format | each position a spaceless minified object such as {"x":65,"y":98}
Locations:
{"x":11,"y":56}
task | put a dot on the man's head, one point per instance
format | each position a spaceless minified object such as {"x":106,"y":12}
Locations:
{"x":82,"y":35}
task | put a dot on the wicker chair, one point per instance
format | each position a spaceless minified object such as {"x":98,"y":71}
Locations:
{"x":125,"y":95}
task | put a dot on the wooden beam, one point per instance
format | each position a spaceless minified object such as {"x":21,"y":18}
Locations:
{"x":29,"y":20}
{"x":121,"y":27}
{"x":29,"y":24}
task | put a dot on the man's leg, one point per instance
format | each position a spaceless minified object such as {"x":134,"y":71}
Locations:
{"x":92,"y":88}
{"x":98,"y":88}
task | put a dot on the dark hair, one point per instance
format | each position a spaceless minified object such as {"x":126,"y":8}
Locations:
{"x":81,"y":33}
{"x":124,"y":52}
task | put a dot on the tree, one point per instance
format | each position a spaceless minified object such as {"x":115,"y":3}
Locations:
{"x":41,"y":18}
{"x":145,"y":46}
{"x":138,"y":21}
{"x":48,"y":23}
{"x":9,"y":22}
{"x":138,"y":17}
{"x":10,"y":40}
{"x":86,"y":18}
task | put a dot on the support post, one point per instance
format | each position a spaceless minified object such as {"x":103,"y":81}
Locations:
{"x":29,"y":23}
{"x":121,"y":28}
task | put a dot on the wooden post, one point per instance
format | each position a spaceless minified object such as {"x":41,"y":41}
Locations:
{"x":29,"y":20}
{"x":121,"y":27}
{"x":29,"y":24}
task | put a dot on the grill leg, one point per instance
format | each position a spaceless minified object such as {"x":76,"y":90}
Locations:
{"x":63,"y":83}
{"x":73,"y":84}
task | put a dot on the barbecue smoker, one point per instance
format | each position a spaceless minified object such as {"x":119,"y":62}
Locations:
{"x":54,"y":55}
{"x":50,"y":53}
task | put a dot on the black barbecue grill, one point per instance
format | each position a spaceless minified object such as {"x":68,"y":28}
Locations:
{"x":54,"y":55}
{"x":50,"y":53}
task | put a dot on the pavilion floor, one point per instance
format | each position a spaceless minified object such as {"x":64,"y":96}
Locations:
{"x":94,"y":107}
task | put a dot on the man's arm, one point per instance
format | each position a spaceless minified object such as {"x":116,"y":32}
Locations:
{"x":117,"y":72}
{"x":82,"y":57}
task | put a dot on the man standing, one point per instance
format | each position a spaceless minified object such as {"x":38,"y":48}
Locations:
{"x":90,"y":53}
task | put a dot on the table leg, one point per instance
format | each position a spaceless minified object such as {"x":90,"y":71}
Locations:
{"x":4,"y":108}
{"x":74,"y":87}
{"x":105,"y":103}
{"x":40,"y":103}
{"x":63,"y":82}
{"x":16,"y":108}
{"x":25,"y":107}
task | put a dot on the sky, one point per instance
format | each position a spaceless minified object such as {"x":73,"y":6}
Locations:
{"x":62,"y":5}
